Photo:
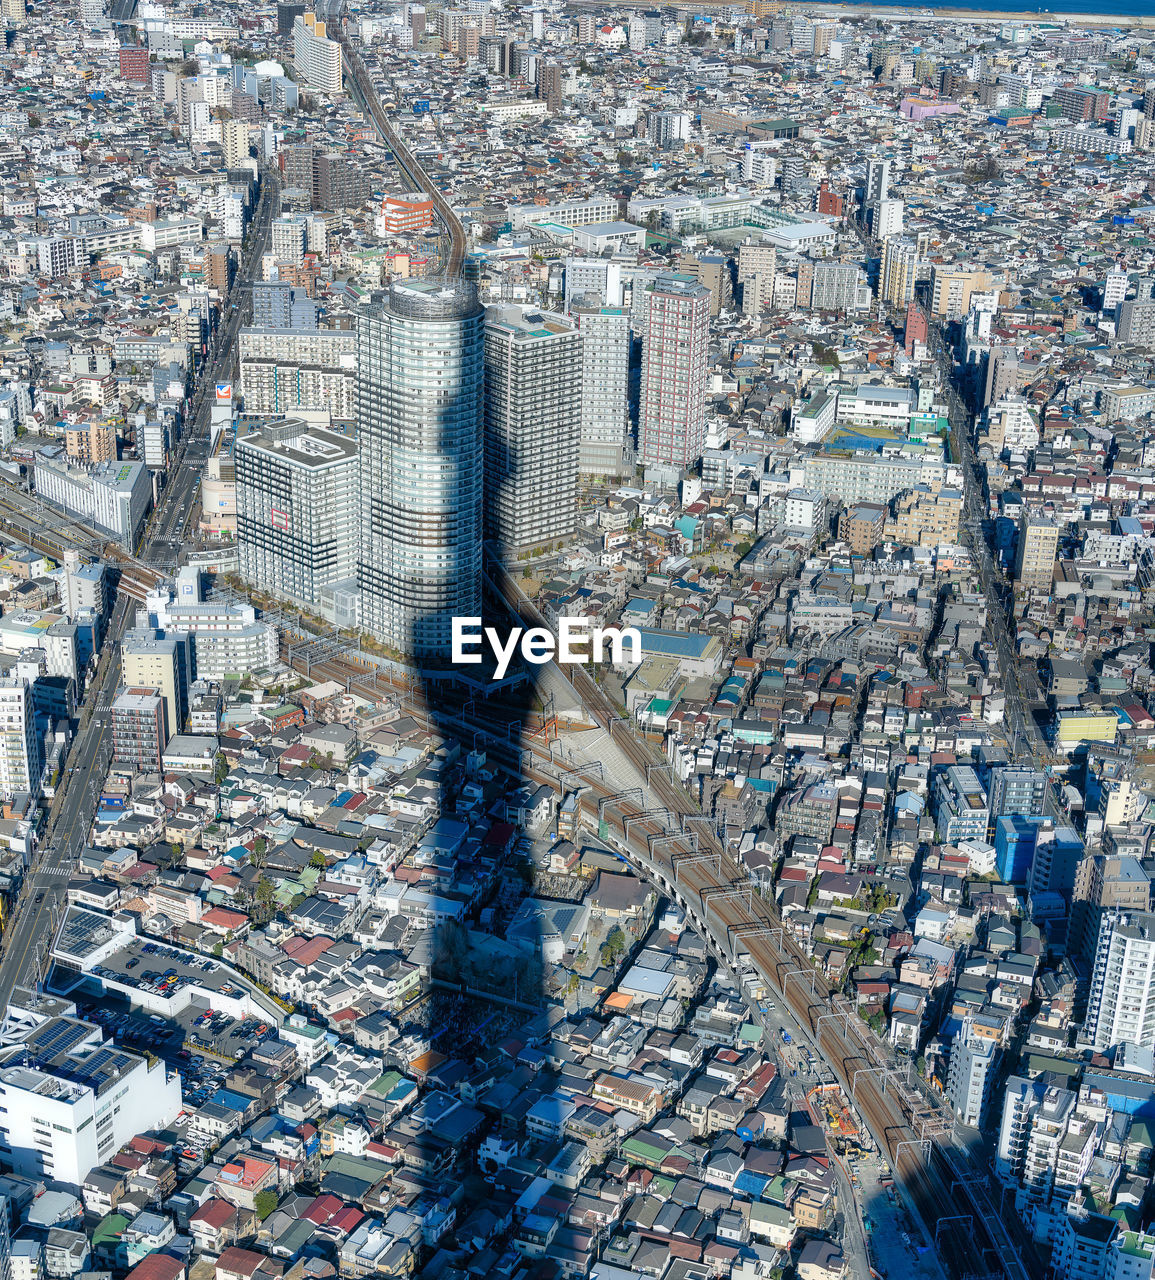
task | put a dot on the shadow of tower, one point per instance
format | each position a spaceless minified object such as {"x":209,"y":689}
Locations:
{"x":422,"y":423}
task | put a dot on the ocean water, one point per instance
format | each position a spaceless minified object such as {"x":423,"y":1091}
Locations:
{"x":1053,"y":8}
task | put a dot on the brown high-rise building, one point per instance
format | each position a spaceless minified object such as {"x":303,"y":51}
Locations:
{"x":297,"y":166}
{"x":829,"y":202}
{"x":134,"y":64}
{"x":220,"y":266}
{"x":91,"y":442}
{"x":549,"y":86}
{"x":338,"y":182}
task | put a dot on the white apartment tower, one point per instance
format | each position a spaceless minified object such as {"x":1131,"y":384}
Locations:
{"x":675,"y":354}
{"x":298,"y":509}
{"x":533,"y":374}
{"x":969,"y":1076}
{"x":898,"y":271}
{"x":605,"y":389}
{"x":20,"y":762}
{"x":1121,"y":1008}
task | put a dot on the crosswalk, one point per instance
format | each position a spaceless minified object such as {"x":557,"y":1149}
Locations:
{"x":62,"y":872}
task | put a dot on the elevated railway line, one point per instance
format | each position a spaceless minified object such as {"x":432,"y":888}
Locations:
{"x":361,"y":87}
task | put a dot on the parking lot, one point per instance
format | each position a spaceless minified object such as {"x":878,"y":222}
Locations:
{"x":200,"y":1043}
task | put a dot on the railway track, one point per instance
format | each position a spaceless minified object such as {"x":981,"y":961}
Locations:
{"x":453,"y":261}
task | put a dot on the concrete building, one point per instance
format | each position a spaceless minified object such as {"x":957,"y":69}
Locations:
{"x":69,"y":1100}
{"x":533,"y":372}
{"x":970,"y":1074}
{"x":20,"y":748}
{"x":298,"y":509}
{"x":114,"y":497}
{"x":159,"y":662}
{"x":1121,"y":1008}
{"x":961,"y":806}
{"x":1035,"y":553}
{"x":317,"y":58}
{"x":604,"y":447}
{"x":898,"y":271}
{"x":675,"y":350}
{"x":419,"y":400}
{"x":139,"y":728}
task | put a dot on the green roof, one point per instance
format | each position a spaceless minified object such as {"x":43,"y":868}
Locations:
{"x":384,"y":1085}
{"x":643,"y":1150}
{"x":110,"y":1227}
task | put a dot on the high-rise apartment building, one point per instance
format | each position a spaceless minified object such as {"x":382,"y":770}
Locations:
{"x":159,"y":662}
{"x":675,"y":352}
{"x":1135,"y":318}
{"x":1121,"y":1007}
{"x":20,"y":754}
{"x":1082,"y":104}
{"x":549,"y":85}
{"x":605,"y":389}
{"x":317,"y":58}
{"x":134,"y":64}
{"x":533,"y":371}
{"x":139,"y":728}
{"x":220,"y":267}
{"x":235,"y":143}
{"x":951,"y":288}
{"x":297,"y":370}
{"x":877,"y":188}
{"x":898,"y":271}
{"x":298,"y":509}
{"x":1035,"y":553}
{"x":970,"y":1074}
{"x":289,"y":239}
{"x":1017,"y":790}
{"x":279,"y":305}
{"x":420,"y":373}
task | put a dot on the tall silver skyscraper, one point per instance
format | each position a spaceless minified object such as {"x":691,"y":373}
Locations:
{"x":419,"y":405}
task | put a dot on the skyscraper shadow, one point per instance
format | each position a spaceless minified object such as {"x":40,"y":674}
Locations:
{"x":423,"y":563}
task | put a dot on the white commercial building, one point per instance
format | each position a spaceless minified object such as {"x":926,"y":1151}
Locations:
{"x":113,"y":497}
{"x":69,"y":1100}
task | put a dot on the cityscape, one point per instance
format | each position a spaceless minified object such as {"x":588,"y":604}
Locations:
{"x":577,"y":604}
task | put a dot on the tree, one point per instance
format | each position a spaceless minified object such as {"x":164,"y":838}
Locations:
{"x":265,"y":898}
{"x":614,"y":946}
{"x":318,"y":860}
{"x":260,"y":846}
{"x":220,"y":768}
{"x":34,"y":120}
{"x":264,"y":1202}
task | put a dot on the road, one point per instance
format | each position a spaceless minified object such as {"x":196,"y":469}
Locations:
{"x":29,"y":932}
{"x":1026,"y":740}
